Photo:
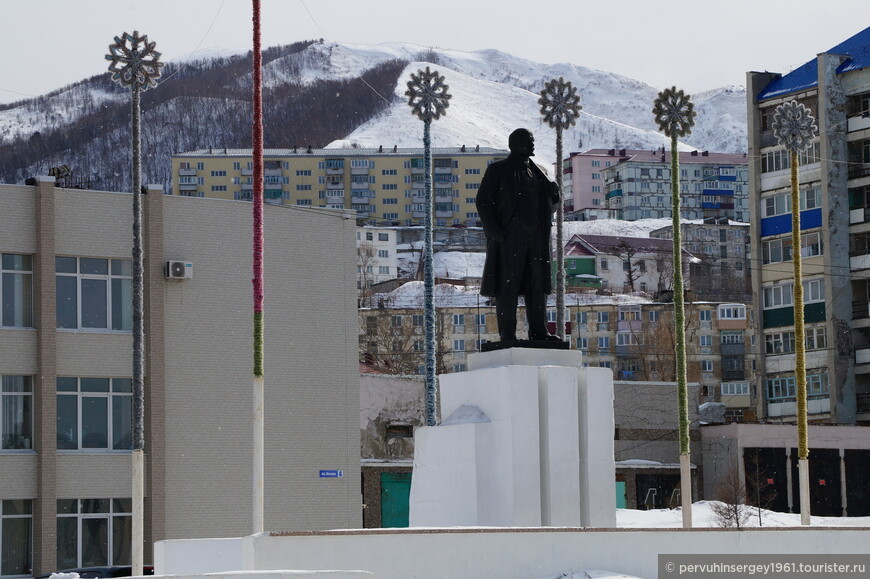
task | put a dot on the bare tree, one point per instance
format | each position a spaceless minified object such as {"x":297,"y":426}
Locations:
{"x":366,"y":261}
{"x":632,"y":268}
{"x":731,"y":509}
{"x":391,"y":340}
{"x":759,"y":493}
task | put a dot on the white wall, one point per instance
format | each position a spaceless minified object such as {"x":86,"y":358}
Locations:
{"x":503,"y":553}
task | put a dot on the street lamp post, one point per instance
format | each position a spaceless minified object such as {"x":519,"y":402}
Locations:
{"x":428,"y":97}
{"x":675,"y":116}
{"x":794,"y":128}
{"x":135,"y":64}
{"x":560,"y":107}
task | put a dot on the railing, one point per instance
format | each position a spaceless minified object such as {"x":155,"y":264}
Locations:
{"x":861,"y":310}
{"x":858,"y":170}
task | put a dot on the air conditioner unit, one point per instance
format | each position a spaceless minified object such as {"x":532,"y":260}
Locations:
{"x":176,"y":269}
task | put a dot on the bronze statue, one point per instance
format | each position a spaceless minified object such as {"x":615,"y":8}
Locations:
{"x":516,"y":202}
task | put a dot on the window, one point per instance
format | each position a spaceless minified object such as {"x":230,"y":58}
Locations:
{"x":390,"y":201}
{"x":383,"y":236}
{"x":581,"y":318}
{"x":458,"y":345}
{"x":303,"y":172}
{"x":629,"y":314}
{"x":817,"y":338}
{"x":604,"y":344}
{"x":93,"y":532}
{"x":94,"y":413}
{"x":16,"y":412}
{"x":383,"y":253}
{"x":706,"y":366}
{"x":777,"y":296}
{"x":16,"y":537}
{"x":704,"y":315}
{"x":603,"y":264}
{"x":731,"y":337}
{"x":16,"y":288}
{"x":735,"y":388}
{"x":783,"y":388}
{"x":654,"y":315}
{"x":603,"y":321}
{"x":583,"y":344}
{"x":732,"y":312}
{"x":396,"y":321}
{"x":383,"y":270}
{"x":417,"y":320}
{"x":480,"y":320}
{"x":94,"y":294}
{"x":706,"y":341}
{"x":627,"y":339}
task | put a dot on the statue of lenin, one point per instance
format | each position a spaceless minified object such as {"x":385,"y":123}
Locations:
{"x":516,"y":202}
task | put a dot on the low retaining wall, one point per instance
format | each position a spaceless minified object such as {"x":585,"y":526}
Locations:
{"x":495,"y":552}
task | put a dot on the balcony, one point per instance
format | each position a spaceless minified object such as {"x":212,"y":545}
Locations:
{"x":732,"y":349}
{"x":859,"y":215}
{"x":733,"y":375}
{"x":272,"y":172}
{"x":247,"y":172}
{"x":814,"y":406}
{"x":187,"y":187}
{"x":862,"y":355}
{"x":858,"y":170}
{"x":187,"y":172}
{"x":861,"y":310}
{"x":444,"y":213}
{"x":858,"y":122}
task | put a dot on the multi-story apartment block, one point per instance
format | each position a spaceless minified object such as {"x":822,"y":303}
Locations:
{"x":583,"y":181}
{"x":835,"y":227}
{"x":66,"y":367}
{"x":722,"y":268}
{"x":377,"y":256}
{"x":383,"y":186}
{"x":631,"y":335}
{"x":636,"y":184}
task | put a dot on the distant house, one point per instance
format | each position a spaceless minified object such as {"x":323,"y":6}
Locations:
{"x":624,"y":264}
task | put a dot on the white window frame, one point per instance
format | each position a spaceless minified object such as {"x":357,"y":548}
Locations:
{"x":20,"y":387}
{"x":732,"y":312}
{"x":108,"y":278}
{"x":114,"y":513}
{"x":735,"y":388}
{"x":115,"y":392}
{"x":16,"y":281}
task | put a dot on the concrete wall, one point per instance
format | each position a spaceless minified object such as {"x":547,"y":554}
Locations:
{"x":311,"y":372}
{"x":502,"y":553}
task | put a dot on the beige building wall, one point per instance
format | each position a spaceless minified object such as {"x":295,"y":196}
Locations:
{"x":199,"y":368}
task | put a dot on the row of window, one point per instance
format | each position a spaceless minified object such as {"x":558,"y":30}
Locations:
{"x":780,"y":250}
{"x":784,"y":388}
{"x":90,"y":533}
{"x":779,"y":160}
{"x":780,"y":204}
{"x":782,"y":295}
{"x":93,"y":414}
{"x":784,"y":342}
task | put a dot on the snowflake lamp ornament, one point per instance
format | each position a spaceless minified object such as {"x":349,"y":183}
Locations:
{"x":560,"y":103}
{"x":794,"y":126}
{"x":134,"y":62}
{"x":560,"y":107}
{"x":674,"y":112}
{"x":427,"y":95}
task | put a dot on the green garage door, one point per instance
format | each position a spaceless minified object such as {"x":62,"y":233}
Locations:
{"x":395,"y":490}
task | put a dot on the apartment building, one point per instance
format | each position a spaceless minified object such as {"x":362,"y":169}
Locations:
{"x":629,"y":334}
{"x":384,"y":186}
{"x":636,"y":184}
{"x":835,"y":226}
{"x":722,"y":268}
{"x":66,"y":367}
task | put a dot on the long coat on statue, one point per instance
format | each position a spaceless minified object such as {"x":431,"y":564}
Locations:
{"x":497,"y":207}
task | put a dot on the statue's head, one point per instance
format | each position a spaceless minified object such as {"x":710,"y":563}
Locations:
{"x":522,"y":142}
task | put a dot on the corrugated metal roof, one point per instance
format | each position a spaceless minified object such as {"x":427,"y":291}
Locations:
{"x":857,"y":48}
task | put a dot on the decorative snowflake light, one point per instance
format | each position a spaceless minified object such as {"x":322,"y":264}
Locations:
{"x":560,"y":103}
{"x":134,"y":62}
{"x":427,"y":94}
{"x":674,"y":112}
{"x":794,"y":126}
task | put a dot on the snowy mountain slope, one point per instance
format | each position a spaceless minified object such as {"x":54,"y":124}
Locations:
{"x":493,"y":93}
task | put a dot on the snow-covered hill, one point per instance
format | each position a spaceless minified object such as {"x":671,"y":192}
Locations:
{"x":492,"y":93}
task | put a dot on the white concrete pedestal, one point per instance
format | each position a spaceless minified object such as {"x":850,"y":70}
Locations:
{"x":526,"y":441}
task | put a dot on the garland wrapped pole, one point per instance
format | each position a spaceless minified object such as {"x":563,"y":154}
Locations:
{"x":560,"y":107}
{"x":428,"y":97}
{"x":259,"y":424}
{"x":675,"y":116}
{"x":135,"y":64}
{"x":794,"y":128}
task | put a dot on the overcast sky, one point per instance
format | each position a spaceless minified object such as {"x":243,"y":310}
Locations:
{"x":696,"y":45}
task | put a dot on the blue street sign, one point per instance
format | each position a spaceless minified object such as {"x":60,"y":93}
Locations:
{"x":331,"y":473}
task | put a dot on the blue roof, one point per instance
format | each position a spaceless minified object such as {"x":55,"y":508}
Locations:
{"x":857,"y":48}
